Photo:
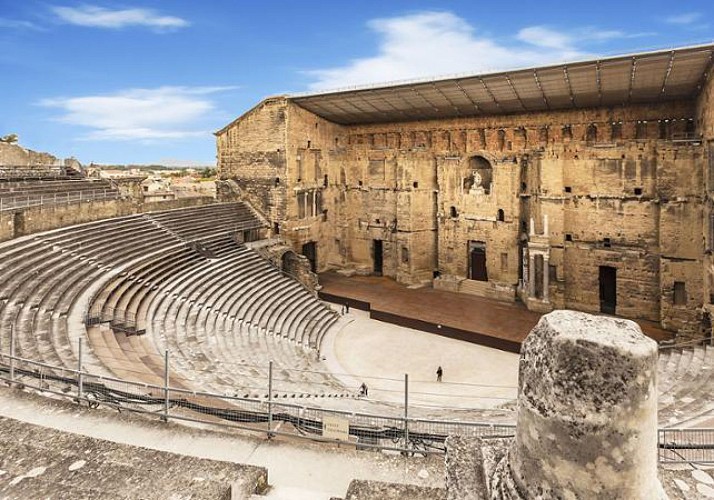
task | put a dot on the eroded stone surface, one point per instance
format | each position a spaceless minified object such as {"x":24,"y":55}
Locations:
{"x":376,"y":490}
{"x":45,"y":463}
{"x":587,"y":412}
{"x":702,"y":476}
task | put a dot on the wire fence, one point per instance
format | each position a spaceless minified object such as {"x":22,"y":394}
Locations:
{"x":694,"y":446}
{"x":171,"y":401}
{"x":404,"y":434}
{"x":59,"y":198}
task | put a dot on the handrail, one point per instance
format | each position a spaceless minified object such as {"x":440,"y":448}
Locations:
{"x":379,"y":431}
{"x":65,"y":197}
{"x":704,"y":341}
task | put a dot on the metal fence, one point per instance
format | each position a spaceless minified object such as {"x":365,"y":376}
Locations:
{"x":410,"y":436}
{"x":61,"y":198}
{"x":267,"y":416}
{"x":686,"y":445}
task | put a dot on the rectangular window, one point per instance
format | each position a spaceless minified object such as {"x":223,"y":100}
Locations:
{"x":552,"y":273}
{"x":405,"y":255}
{"x":504,"y":262}
{"x":301,"y":205}
{"x":680,"y":293}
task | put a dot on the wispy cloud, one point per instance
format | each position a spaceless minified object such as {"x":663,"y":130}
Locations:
{"x":99,"y":17}
{"x":439,"y":43}
{"x":139,"y":114}
{"x":543,"y":36}
{"x":18,"y":24}
{"x":686,"y":18}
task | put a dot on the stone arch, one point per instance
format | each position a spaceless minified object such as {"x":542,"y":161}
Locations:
{"x":289,"y":262}
{"x":480,"y":175}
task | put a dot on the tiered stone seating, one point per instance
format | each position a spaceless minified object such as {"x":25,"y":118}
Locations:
{"x":216,"y":318}
{"x":17,"y":194}
{"x":202,"y":222}
{"x":43,"y":276}
{"x":222,"y":310}
{"x":685,"y":385}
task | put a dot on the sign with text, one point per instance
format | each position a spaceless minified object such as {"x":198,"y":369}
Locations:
{"x":335,"y":428}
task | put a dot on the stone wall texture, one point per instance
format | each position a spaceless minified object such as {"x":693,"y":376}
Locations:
{"x":13,"y":155}
{"x":619,"y":186}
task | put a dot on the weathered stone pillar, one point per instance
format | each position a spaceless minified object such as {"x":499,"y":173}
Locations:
{"x":546,"y":278}
{"x":587,"y":412}
{"x":531,"y":279}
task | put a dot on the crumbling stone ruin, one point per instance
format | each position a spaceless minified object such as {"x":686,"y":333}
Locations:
{"x":583,"y":186}
{"x":587,"y":419}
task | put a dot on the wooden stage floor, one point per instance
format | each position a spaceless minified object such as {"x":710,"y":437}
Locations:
{"x":502,"y":325}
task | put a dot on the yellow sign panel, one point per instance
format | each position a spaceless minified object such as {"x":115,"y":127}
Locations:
{"x":335,"y":428}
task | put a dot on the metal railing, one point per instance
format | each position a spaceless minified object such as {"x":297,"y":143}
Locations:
{"x":267,"y":416}
{"x":119,"y":319}
{"x":62,"y":198}
{"x":32,"y":172}
{"x":694,"y":446}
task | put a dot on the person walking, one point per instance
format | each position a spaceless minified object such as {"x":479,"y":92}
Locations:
{"x":439,"y":374}
{"x":363,"y":390}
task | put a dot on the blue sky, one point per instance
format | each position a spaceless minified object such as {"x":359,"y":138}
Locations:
{"x":141,"y":81}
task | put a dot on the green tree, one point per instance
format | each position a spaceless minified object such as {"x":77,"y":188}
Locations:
{"x":9,"y":138}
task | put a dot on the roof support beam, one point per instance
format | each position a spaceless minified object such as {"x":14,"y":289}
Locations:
{"x":467,"y":96}
{"x":513,"y":88}
{"x":540,"y":87}
{"x":455,"y":108}
{"x":633,"y":71}
{"x":566,"y":76}
{"x":670,"y":64}
{"x":490,"y":94}
{"x":427,"y":101}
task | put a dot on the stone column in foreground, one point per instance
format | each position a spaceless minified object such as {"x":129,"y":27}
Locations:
{"x":587,"y":412}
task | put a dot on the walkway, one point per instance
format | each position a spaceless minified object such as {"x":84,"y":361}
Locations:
{"x":297,"y":470}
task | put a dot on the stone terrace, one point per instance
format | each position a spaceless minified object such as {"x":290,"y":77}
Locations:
{"x":41,"y":462}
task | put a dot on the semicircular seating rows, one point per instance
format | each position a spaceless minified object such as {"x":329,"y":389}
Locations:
{"x":222,"y":311}
{"x":17,"y":193}
{"x":181,"y":268}
{"x":686,"y":378}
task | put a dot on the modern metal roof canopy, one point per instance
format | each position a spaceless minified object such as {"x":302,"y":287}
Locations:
{"x":635,"y":78}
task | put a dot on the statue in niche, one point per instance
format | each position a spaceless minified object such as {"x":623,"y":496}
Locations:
{"x":479,"y":180}
{"x":473,"y":183}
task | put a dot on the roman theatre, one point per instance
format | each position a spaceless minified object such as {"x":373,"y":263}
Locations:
{"x":371,"y":235}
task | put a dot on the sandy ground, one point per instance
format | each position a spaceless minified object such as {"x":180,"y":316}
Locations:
{"x":380,"y":354}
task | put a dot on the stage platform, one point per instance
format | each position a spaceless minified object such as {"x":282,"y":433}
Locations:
{"x":502,"y":325}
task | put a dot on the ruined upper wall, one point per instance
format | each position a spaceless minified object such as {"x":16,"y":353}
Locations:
{"x":12,"y":155}
{"x":252,"y":151}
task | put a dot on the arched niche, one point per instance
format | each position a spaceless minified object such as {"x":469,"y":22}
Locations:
{"x":480,"y":176}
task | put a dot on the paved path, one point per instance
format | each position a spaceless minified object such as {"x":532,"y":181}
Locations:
{"x":298,"y":470}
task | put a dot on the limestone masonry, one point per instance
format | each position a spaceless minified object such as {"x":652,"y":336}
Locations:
{"x":585,"y":186}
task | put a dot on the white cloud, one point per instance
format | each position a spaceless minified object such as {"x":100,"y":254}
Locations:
{"x":686,"y":18}
{"x":440,"y":43}
{"x":99,"y":17}
{"x":139,"y":114}
{"x":541,"y":36}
